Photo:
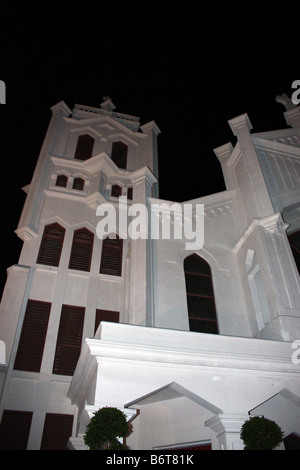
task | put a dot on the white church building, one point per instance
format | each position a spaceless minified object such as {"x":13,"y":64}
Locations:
{"x":188,"y":343}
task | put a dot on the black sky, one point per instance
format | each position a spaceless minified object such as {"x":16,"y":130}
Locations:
{"x":189,"y":68}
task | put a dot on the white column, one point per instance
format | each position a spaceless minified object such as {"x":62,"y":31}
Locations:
{"x":228,"y":428}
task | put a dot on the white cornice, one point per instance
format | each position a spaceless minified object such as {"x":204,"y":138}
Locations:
{"x":61,"y":106}
{"x":150,"y":126}
{"x":122,"y":344}
{"x":271,"y":224}
{"x":240,"y":122}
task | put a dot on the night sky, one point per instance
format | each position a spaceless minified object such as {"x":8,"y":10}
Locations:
{"x":188,"y":68}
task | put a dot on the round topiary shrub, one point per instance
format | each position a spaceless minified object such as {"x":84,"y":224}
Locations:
{"x":105,"y":427}
{"x":259,"y":433}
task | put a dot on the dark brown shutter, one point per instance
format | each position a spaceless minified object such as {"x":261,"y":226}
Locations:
{"x":130,"y":193}
{"x":51,"y":245}
{"x":119,"y":154}
{"x":78,"y":183}
{"x":81,"y":252}
{"x":111,"y":258}
{"x":84,"y":148}
{"x":57,"y":430}
{"x":200,"y":295}
{"x":33,"y":335}
{"x":61,"y":180}
{"x":69,"y":338}
{"x":105,"y":315}
{"x":14,"y":429}
{"x":116,"y":190}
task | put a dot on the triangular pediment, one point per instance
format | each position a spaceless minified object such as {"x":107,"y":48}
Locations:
{"x":169,"y":392}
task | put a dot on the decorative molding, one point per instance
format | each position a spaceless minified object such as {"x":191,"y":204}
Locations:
{"x":240,"y":122}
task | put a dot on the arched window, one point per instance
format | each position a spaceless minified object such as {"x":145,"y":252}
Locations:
{"x":116,"y":190}
{"x":81,"y":252}
{"x":84,"y":148}
{"x":61,"y":180}
{"x":111,"y":258}
{"x":51,"y":245}
{"x":200,"y":295}
{"x":119,"y":154}
{"x":78,"y":183}
{"x":294,"y":240}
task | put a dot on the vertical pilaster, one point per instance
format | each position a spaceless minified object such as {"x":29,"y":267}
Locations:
{"x":228,"y":428}
{"x":141,"y":295}
{"x":248,"y":174}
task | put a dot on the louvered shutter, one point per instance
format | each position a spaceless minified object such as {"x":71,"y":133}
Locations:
{"x":14,"y":429}
{"x":69,"y":338}
{"x":84,"y":148}
{"x":81,"y":252}
{"x":106,"y":315}
{"x":51,"y":245}
{"x":111,"y":258}
{"x":33,"y":335}
{"x":57,"y":430}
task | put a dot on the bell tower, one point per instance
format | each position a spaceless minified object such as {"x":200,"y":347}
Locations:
{"x":68,"y":280}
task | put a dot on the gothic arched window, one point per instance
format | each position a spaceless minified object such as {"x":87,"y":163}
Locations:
{"x":119,"y":154}
{"x":200,"y":295}
{"x":84,"y":148}
{"x":111,"y":258}
{"x":61,"y":180}
{"x":116,"y":190}
{"x":294,"y":240}
{"x":82,"y":248}
{"x":78,"y":183}
{"x":51,"y":245}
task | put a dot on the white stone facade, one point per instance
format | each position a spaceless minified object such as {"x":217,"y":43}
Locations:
{"x":190,"y":388}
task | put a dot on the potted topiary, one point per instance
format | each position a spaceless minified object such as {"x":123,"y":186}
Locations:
{"x":259,"y":433}
{"x":105,"y":427}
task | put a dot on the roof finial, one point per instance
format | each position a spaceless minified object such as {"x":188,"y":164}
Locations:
{"x":107,"y":104}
